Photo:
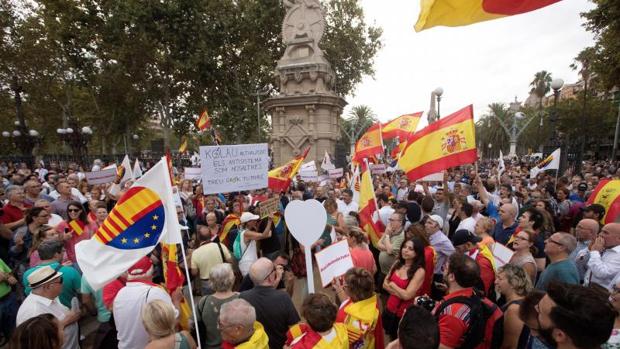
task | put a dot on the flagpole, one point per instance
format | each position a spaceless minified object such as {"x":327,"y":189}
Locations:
{"x":191,"y":293}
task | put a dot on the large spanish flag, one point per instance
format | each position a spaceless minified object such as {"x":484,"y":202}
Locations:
{"x":368,"y":210}
{"x":280,"y":178}
{"x":403,"y":126}
{"x":203,"y":122}
{"x":443,"y":144}
{"x":371,"y":143}
{"x":607,"y":194}
{"x":454,"y":13}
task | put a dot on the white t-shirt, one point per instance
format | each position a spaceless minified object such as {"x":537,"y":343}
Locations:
{"x":76,"y":194}
{"x":127,"y":310}
{"x":35,"y":305}
{"x":384,"y":214}
{"x":468,"y":223}
{"x":345,"y":209}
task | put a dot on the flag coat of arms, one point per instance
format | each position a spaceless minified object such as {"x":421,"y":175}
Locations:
{"x":144,"y":216}
{"x":446,"y":143}
{"x":279,"y":178}
{"x":402,"y":127}
{"x":607,"y":194}
{"x":454,"y":13}
{"x":371,"y":143}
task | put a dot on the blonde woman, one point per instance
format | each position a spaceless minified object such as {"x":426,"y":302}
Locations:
{"x":514,"y":284}
{"x":483,"y":228}
{"x":160,"y":323}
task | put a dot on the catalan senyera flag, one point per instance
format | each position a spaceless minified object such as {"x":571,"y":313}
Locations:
{"x":77,"y":226}
{"x":143,"y":217}
{"x":443,"y":144}
{"x":368,"y":210}
{"x":403,"y":126}
{"x":607,"y":194}
{"x":231,"y":221}
{"x":280,"y":178}
{"x":454,"y":13}
{"x":371,"y":143}
{"x":183,"y":146}
{"x":203,"y":122}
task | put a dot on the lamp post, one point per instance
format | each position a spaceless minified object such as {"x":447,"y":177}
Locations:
{"x":514,"y":132}
{"x":438,"y":93}
{"x":490,"y":146}
{"x":76,"y":138}
{"x":557,"y":140}
{"x":259,"y":92}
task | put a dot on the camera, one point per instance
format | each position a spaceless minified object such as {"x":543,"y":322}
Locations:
{"x":426,"y":303}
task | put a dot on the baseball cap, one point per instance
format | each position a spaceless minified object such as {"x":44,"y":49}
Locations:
{"x":582,"y":187}
{"x":462,"y":236}
{"x":437,"y":220}
{"x":248,"y":216}
{"x":42,"y":276}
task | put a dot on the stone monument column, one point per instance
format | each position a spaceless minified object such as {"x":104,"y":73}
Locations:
{"x":306,"y":112}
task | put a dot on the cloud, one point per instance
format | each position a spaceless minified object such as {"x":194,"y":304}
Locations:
{"x":483,"y":63}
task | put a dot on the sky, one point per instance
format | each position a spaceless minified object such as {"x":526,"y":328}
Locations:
{"x":479,"y":64}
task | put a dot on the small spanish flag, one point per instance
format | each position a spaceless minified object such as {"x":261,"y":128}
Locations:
{"x":446,"y":143}
{"x":454,"y":13}
{"x":371,"y":143}
{"x":183,"y":146}
{"x":203,"y":122}
{"x":607,"y":194}
{"x":403,"y":126}
{"x":77,"y":226}
{"x":280,"y":178}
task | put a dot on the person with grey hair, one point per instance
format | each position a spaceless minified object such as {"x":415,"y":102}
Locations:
{"x":51,"y":253}
{"x":238,"y":325}
{"x":13,"y":212}
{"x":558,"y":247}
{"x":221,"y":278}
{"x":275,"y":308}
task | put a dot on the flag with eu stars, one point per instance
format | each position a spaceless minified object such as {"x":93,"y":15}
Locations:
{"x":144,"y":216}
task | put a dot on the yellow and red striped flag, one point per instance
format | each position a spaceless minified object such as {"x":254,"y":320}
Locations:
{"x":174,"y":279}
{"x":371,"y":143}
{"x":183,"y":146}
{"x":443,"y":144}
{"x":607,"y":194}
{"x":231,"y":221}
{"x":203,"y":122}
{"x":454,"y":13}
{"x":77,"y":226}
{"x":280,"y":177}
{"x":403,"y":126}
{"x":368,"y":209}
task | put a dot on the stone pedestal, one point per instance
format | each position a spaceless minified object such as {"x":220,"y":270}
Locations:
{"x":306,"y":112}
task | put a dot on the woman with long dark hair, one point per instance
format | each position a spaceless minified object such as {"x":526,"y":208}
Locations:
{"x":75,"y":228}
{"x":403,"y":282}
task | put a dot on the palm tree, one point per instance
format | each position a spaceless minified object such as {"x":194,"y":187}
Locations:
{"x":583,"y":62}
{"x":361,"y":117}
{"x":489,"y":129}
{"x":541,"y":85}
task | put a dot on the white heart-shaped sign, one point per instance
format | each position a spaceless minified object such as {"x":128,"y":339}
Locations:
{"x":306,"y":220}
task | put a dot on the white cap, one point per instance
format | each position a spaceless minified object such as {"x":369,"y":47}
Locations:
{"x":248,"y":216}
{"x":437,"y":220}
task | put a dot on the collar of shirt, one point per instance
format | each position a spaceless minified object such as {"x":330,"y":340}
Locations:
{"x":42,"y":300}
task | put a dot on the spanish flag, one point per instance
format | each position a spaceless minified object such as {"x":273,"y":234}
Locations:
{"x":303,"y":336}
{"x":280,"y":178}
{"x":398,"y":150}
{"x":231,"y":221}
{"x":454,"y":13}
{"x":443,"y":144}
{"x":174,"y":279}
{"x":363,"y":322}
{"x":403,"y":126}
{"x":183,"y":146}
{"x":77,"y":226}
{"x":203,"y":122}
{"x":607,"y":194}
{"x":368,"y":211}
{"x":371,"y":143}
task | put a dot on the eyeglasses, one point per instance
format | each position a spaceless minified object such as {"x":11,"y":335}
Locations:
{"x":521,"y":238}
{"x":271,"y":272}
{"x":555,"y":242}
{"x":615,"y":289}
{"x":73,"y":210}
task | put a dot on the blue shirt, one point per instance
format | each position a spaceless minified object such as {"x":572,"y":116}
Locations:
{"x":501,"y":234}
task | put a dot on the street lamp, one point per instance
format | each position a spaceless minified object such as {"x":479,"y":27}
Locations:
{"x":438,"y":93}
{"x":260,"y":92}
{"x":77,"y":138}
{"x":557,"y":140}
{"x":514,"y":132}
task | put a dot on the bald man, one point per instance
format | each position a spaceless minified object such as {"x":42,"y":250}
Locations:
{"x":604,"y":263}
{"x":506,"y":227}
{"x":586,"y":231}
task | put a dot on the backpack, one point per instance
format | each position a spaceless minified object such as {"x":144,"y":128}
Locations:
{"x":481,"y":317}
{"x":237,"y":250}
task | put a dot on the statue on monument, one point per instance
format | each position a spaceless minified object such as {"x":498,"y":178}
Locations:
{"x":304,"y":23}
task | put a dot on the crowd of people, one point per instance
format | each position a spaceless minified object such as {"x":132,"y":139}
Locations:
{"x":482,"y":259}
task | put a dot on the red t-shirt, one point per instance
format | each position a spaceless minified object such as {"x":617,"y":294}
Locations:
{"x":363,"y":258}
{"x":12,"y":213}
{"x":429,"y":260}
{"x":454,"y":321}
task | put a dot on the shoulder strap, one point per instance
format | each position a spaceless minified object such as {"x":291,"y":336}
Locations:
{"x":201,"y":306}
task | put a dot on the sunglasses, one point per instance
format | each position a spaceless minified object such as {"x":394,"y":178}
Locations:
{"x":73,"y":210}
